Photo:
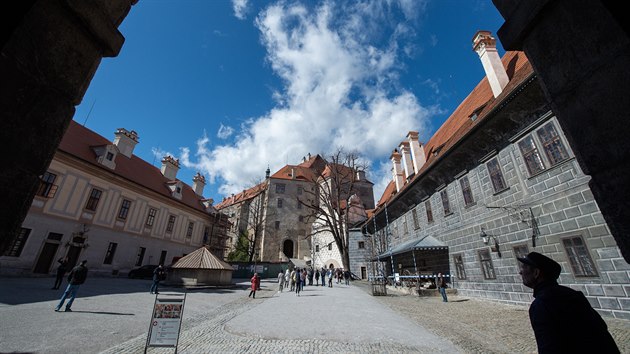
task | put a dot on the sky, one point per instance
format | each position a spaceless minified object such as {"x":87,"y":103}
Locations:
{"x":232,"y":87}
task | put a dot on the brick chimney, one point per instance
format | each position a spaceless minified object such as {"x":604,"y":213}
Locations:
{"x":397,"y":170}
{"x":125,"y":141}
{"x":486,"y":46}
{"x":417,"y":151}
{"x":170,"y":166}
{"x":199,"y":182}
{"x":406,"y":159}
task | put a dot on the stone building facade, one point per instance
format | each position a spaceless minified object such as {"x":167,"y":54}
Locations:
{"x":97,"y":201}
{"x":499,"y":180}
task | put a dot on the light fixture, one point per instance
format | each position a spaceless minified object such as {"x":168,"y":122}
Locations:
{"x":485,"y":237}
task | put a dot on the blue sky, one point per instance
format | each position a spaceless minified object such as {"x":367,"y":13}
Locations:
{"x":230,"y":87}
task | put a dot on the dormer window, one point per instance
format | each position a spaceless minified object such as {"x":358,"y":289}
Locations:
{"x":110,"y":156}
{"x":176,"y":189}
{"x":106,"y":155}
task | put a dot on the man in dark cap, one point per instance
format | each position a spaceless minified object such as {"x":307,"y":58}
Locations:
{"x":562,"y":318}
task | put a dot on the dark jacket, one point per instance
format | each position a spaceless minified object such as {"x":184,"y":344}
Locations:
{"x":63,"y":266}
{"x":564,"y":322}
{"x":158,"y":274}
{"x":77,"y":275}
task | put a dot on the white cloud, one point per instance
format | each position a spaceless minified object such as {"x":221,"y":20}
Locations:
{"x":225,"y":131}
{"x":341,"y":89}
{"x":240,"y":8}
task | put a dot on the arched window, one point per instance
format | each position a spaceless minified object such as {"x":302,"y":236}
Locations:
{"x":287,"y":248}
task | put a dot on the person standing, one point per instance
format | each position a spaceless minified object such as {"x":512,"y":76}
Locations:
{"x":287,"y":278}
{"x":323,"y":276}
{"x":293,"y":278}
{"x":158,"y":274}
{"x":440,"y":283}
{"x":346,"y":276}
{"x":562,"y":318}
{"x":316,"y":277}
{"x":255,"y":284}
{"x":280,"y":281}
{"x":331,"y":274}
{"x":76,"y":277}
{"x":61,"y":271}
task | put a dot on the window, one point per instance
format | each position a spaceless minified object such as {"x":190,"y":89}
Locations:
{"x":414,"y":215}
{"x":459,"y":266}
{"x":280,"y":188}
{"x":189,"y":232}
{"x":151,"y":217}
{"x":16,"y":246}
{"x":520,"y":251}
{"x":111,"y":250}
{"x":140,"y":256}
{"x":277,"y":225}
{"x":581,"y":262}
{"x":496,"y":176}
{"x":92,"y":202}
{"x":46,"y":187}
{"x":171,"y":223}
{"x":109,"y":156}
{"x":552,"y":144}
{"x":316,"y":248}
{"x":55,"y":236}
{"x":466,"y":191}
{"x":405,"y":229}
{"x":124,"y":209}
{"x":178,"y":190}
{"x":299,"y":190}
{"x":361,"y":245}
{"x":206,"y":234}
{"x":330,"y":246}
{"x":162,"y":257}
{"x":279,"y":202}
{"x":445,"y":202}
{"x":486,"y":264}
{"x":532,"y":158}
{"x":427,"y":205}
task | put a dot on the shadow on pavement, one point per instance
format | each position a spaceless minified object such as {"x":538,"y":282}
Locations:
{"x":101,"y":313}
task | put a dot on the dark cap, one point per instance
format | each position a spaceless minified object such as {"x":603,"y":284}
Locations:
{"x":548,"y":266}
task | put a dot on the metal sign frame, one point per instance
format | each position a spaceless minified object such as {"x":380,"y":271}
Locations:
{"x":166,"y":321}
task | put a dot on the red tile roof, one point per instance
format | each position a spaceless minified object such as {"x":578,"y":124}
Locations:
{"x":480,"y":101}
{"x":78,"y":142}
{"x":243,"y":196}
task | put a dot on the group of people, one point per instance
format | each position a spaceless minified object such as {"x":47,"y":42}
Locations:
{"x":297,"y":278}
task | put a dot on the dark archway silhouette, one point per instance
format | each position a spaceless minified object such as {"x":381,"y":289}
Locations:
{"x":287,"y":248}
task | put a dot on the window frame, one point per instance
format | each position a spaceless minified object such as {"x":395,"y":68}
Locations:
{"x":446,"y":203}
{"x":361,"y":245}
{"x":545,"y":150}
{"x":150,"y":217}
{"x":498,"y":174}
{"x":110,"y":253}
{"x":47,"y":187}
{"x":93,"y":199}
{"x":414,"y":216}
{"x":190,"y":229}
{"x":279,"y":203}
{"x":556,"y":138}
{"x":520,"y":253}
{"x":469,"y":199}
{"x":460,"y":268}
{"x":140,"y":255}
{"x":531,"y":155}
{"x":280,"y":188}
{"x":579,"y":268}
{"x":18,"y":243}
{"x":487,"y":267}
{"x":123,"y":211}
{"x":170,"y":225}
{"x":429,"y":210}
{"x":277,"y":225}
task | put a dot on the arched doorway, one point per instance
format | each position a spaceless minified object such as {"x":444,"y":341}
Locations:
{"x":287,"y":248}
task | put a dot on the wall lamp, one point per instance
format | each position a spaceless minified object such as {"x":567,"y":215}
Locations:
{"x":485,"y":237}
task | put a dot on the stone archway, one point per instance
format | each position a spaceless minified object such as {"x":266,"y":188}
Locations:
{"x":332,"y":263}
{"x":287,"y":248}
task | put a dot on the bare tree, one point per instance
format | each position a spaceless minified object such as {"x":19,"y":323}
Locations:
{"x":327,"y":199}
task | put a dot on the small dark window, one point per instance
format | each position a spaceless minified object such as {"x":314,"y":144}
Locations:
{"x":109,"y":255}
{"x":189,"y":232}
{"x":46,"y":185}
{"x":533,"y":161}
{"x":496,"y":176}
{"x":459,"y":266}
{"x":140,"y":256}
{"x":55,"y":236}
{"x":446,"y":204}
{"x":520,"y":251}
{"x":299,"y":205}
{"x":178,"y":190}
{"x":416,"y":223}
{"x":277,"y":225}
{"x":361,"y":244}
{"x":279,"y":202}
{"x":486,"y":264}
{"x":552,"y":144}
{"x":280,"y":188}
{"x":151,"y":216}
{"x":427,"y":205}
{"x":316,"y":248}
{"x":16,"y":246}
{"x":301,"y":218}
{"x":109,"y":156}
{"x":405,"y":228}
{"x":466,"y":191}
{"x":95,"y":196}
{"x":171,"y":223}
{"x":299,"y":190}
{"x":330,"y":246}
{"x":162,"y":257}
{"x":124,"y":209}
{"x":206,"y":234}
{"x":579,"y":258}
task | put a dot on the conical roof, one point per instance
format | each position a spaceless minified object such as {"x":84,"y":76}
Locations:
{"x":201,"y":259}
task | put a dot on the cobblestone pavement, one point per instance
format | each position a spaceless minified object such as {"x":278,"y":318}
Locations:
{"x":479,"y":326}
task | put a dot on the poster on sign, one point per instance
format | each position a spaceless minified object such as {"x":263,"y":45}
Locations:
{"x":166,"y":321}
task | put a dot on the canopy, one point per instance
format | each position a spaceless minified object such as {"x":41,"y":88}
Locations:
{"x":425,"y":243}
{"x":298,"y":262}
{"x":202,"y":259}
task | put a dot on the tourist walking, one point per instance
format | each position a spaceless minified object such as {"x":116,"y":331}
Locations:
{"x":293,"y":278}
{"x":346,"y":276}
{"x":61,"y":271}
{"x":331,"y":274}
{"x":287,"y":278}
{"x":440,"y":283}
{"x":280,"y":280}
{"x":316,"y":277}
{"x":562,"y":318}
{"x":255,"y":284}
{"x":298,"y":281}
{"x":76,"y":277}
{"x":323,"y":276}
{"x":158,"y":275}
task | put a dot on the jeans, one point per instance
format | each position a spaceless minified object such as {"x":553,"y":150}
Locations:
{"x":70,"y":290}
{"x":443,"y":293}
{"x":154,"y":286}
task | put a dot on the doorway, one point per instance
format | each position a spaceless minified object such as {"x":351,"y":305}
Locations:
{"x":287,"y":248}
{"x":46,"y":258}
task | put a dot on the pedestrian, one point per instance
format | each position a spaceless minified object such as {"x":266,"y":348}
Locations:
{"x":76,"y":277}
{"x":298,"y":281}
{"x":280,"y":280}
{"x":323,"y":276}
{"x":562,"y":318}
{"x":440,"y":283}
{"x":310,"y":276}
{"x":331,"y":274}
{"x":158,"y":275}
{"x":255,"y":285}
{"x":61,"y":271}
{"x":293,"y":278}
{"x":316,"y":277}
{"x":287,"y":278}
{"x":346,"y":276}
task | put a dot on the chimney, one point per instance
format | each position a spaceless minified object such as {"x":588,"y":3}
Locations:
{"x":417,"y":151}
{"x":199,"y":182}
{"x":292,"y":172}
{"x":360,"y":175}
{"x":170,"y":166}
{"x":397,"y":170}
{"x":406,"y":159}
{"x":485,"y":45}
{"x":125,"y":141}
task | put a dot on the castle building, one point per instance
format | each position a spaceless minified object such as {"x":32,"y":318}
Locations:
{"x":100,"y":202}
{"x":495,"y":182}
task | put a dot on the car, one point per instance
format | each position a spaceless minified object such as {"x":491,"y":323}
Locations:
{"x":146,"y":271}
